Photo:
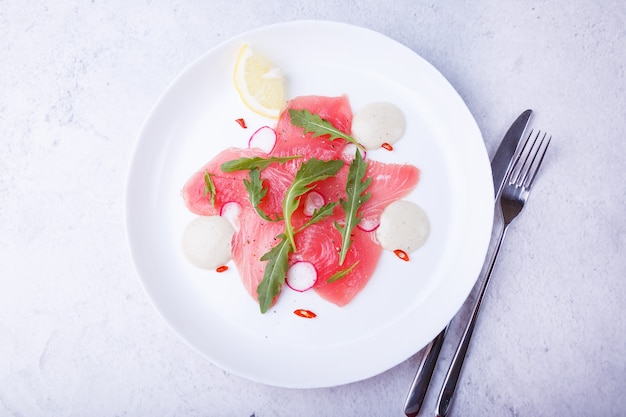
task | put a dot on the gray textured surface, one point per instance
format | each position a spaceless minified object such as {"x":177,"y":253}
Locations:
{"x":78,"y":336}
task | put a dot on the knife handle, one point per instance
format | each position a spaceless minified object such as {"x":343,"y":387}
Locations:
{"x":417,"y":392}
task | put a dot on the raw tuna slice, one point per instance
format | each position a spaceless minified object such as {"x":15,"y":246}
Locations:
{"x":291,"y":140}
{"x":390,"y":182}
{"x":230,"y":187}
{"x":319,"y":245}
{"x":254,"y":239}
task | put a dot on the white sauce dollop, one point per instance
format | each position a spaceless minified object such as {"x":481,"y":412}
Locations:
{"x":378,"y":123}
{"x":207,"y":241}
{"x":403,"y":225}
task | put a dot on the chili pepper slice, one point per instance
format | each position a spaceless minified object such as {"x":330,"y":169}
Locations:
{"x":401,"y":254}
{"x":307,"y":314}
{"x":242,"y":123}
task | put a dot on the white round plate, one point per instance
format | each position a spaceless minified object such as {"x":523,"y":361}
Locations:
{"x":405,"y":304}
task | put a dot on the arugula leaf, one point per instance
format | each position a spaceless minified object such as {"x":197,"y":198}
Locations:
{"x":258,"y":162}
{"x":275,"y":272}
{"x":310,"y":172}
{"x":256,"y":192}
{"x":313,"y":123}
{"x":355,"y":197}
{"x":342,"y":273}
{"x":318,"y":215}
{"x":209,"y":187}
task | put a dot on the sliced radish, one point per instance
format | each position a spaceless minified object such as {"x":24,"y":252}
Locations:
{"x":231,"y":211}
{"x":301,"y":276}
{"x":312,"y":202}
{"x":350,"y":150}
{"x":369,"y":224}
{"x":264,"y":139}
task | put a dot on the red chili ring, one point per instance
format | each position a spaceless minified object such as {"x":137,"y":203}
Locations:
{"x":307,"y":314}
{"x":401,"y":254}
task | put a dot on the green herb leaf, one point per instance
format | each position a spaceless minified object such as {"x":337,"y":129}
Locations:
{"x":256,"y":192}
{"x":257,"y":162}
{"x":278,"y":257}
{"x":355,"y":197}
{"x":313,"y":123}
{"x":342,"y":273}
{"x":310,"y":172}
{"x":319,"y":214}
{"x":209,"y":187}
{"x":275,"y":272}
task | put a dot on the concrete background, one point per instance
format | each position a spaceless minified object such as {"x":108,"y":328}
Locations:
{"x":78,"y":335}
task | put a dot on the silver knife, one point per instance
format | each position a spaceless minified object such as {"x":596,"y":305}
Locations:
{"x":502,"y":160}
{"x":500,"y":165}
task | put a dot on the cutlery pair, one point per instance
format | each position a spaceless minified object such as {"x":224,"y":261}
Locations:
{"x":514,"y":173}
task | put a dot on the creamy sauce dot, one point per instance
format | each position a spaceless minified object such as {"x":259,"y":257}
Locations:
{"x":206,"y":241}
{"x":378,"y":123}
{"x":403,"y":225}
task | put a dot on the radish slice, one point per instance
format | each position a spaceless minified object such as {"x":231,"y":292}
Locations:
{"x":264,"y":138}
{"x":231,"y":211}
{"x":313,"y":201}
{"x":350,"y":150}
{"x":368,"y":225}
{"x":301,"y":276}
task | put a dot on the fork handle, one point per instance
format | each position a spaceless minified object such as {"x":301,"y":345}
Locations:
{"x":452,"y":377}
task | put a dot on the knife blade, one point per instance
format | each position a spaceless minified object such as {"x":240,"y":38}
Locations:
{"x":500,"y":166}
{"x":503,"y":158}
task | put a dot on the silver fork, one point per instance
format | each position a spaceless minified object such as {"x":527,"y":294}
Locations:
{"x":512,"y":200}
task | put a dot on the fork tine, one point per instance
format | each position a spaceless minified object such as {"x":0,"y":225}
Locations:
{"x":529,"y":160}
{"x":518,"y":164}
{"x":538,"y":158}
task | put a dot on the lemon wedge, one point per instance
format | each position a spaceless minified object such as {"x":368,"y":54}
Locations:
{"x":260,"y":84}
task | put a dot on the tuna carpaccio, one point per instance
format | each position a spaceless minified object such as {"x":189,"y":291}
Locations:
{"x":319,"y":243}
